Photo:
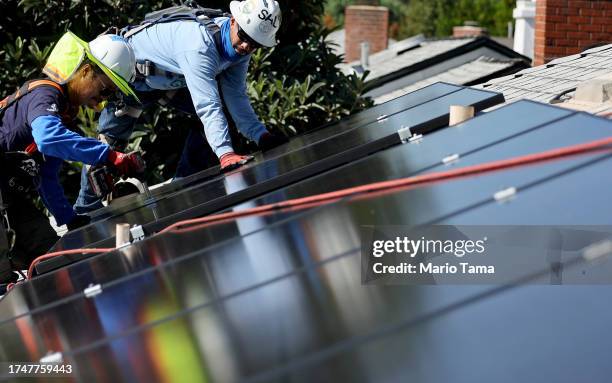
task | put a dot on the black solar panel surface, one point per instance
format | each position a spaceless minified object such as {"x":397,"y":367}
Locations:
{"x":370,"y":115}
{"x":281,"y":296}
{"x":411,"y":159}
{"x":260,"y":178}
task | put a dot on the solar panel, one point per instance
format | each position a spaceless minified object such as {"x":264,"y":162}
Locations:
{"x":406,"y":160}
{"x":246,"y":310}
{"x":286,"y":301}
{"x":482,"y":132}
{"x":525,"y":331}
{"x":389,"y":108}
{"x":367,"y":116}
{"x":260,"y":178}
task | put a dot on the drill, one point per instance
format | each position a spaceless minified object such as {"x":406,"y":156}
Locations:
{"x":103,"y":178}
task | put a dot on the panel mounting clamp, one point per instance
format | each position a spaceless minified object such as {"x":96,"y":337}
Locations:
{"x":450,"y":159}
{"x":597,"y":250}
{"x":416,"y":138}
{"x":52,"y":357}
{"x":382,"y":118}
{"x":137,"y":233}
{"x":505,"y":195}
{"x":92,"y":290}
{"x":404,"y":134}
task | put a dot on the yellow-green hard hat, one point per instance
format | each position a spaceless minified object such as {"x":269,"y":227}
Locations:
{"x":111,"y":53}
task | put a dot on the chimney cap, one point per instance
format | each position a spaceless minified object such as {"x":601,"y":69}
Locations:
{"x":367,"y":7}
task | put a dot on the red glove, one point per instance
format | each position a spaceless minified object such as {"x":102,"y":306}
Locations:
{"x":130,"y":164}
{"x":232,"y":160}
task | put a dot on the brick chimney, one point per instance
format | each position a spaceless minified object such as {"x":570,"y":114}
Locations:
{"x":566,"y":27}
{"x":365,"y":23}
{"x":469,"y":29}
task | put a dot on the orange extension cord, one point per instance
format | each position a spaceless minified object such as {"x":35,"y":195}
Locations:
{"x":319,"y":199}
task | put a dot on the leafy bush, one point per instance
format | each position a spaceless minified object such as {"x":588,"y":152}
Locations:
{"x":310,"y":91}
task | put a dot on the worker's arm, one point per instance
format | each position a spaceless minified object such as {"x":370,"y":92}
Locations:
{"x":52,"y":192}
{"x":50,"y":134}
{"x":54,"y":139}
{"x":233,"y":87}
{"x":199,"y":69}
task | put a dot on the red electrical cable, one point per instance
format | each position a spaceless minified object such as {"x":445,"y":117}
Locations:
{"x":319,"y":199}
{"x":402,"y":182}
{"x":64,"y":252}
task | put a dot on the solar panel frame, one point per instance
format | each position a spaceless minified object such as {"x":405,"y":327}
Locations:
{"x":427,"y":166}
{"x":365,"y":117}
{"x":538,"y":179}
{"x":376,"y":140}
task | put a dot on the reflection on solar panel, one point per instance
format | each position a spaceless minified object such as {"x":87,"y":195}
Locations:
{"x":292,"y":166}
{"x":483,"y":132}
{"x":279,"y":297}
{"x":376,"y":113}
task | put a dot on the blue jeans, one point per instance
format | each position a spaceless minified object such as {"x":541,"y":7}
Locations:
{"x":117,"y":131}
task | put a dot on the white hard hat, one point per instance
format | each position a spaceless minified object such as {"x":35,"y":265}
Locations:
{"x":260,"y":19}
{"x":115,"y":54}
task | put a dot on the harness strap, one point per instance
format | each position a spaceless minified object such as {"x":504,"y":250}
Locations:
{"x":181,"y":13}
{"x":25,"y":89}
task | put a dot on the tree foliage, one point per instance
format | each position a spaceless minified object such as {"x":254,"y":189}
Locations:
{"x":435,"y":17}
{"x":294,"y":87}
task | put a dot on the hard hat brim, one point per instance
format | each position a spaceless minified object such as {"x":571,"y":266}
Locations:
{"x":122,"y":84}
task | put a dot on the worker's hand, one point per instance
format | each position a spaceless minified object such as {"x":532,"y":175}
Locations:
{"x":268,"y":141}
{"x":130,"y":165}
{"x":79,"y":220}
{"x":232,"y":160}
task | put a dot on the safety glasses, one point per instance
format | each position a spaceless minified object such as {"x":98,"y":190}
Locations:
{"x":247,"y":39}
{"x":105,"y":91}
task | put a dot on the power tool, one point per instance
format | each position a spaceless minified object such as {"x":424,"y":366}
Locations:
{"x":103,"y":179}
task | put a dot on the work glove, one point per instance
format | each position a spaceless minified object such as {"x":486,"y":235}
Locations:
{"x":232,"y":160}
{"x":129,"y":165}
{"x":79,"y":220}
{"x":268,"y":141}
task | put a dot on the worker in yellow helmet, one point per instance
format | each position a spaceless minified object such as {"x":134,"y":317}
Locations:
{"x":37,"y":133}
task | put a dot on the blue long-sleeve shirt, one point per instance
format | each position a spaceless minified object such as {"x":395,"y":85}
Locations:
{"x":188,"y":52}
{"x":36,"y":117}
{"x":58,"y":143}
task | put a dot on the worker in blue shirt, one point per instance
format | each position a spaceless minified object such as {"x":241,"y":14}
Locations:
{"x":36,"y":136}
{"x":191,"y":63}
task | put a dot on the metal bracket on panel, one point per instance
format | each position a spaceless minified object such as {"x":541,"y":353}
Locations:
{"x":505,"y":195}
{"x":54,"y":358}
{"x":416,"y":138}
{"x":597,"y":250}
{"x":92,"y":290}
{"x":382,"y":118}
{"x":137,"y":233}
{"x":450,"y":159}
{"x":404,"y":134}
